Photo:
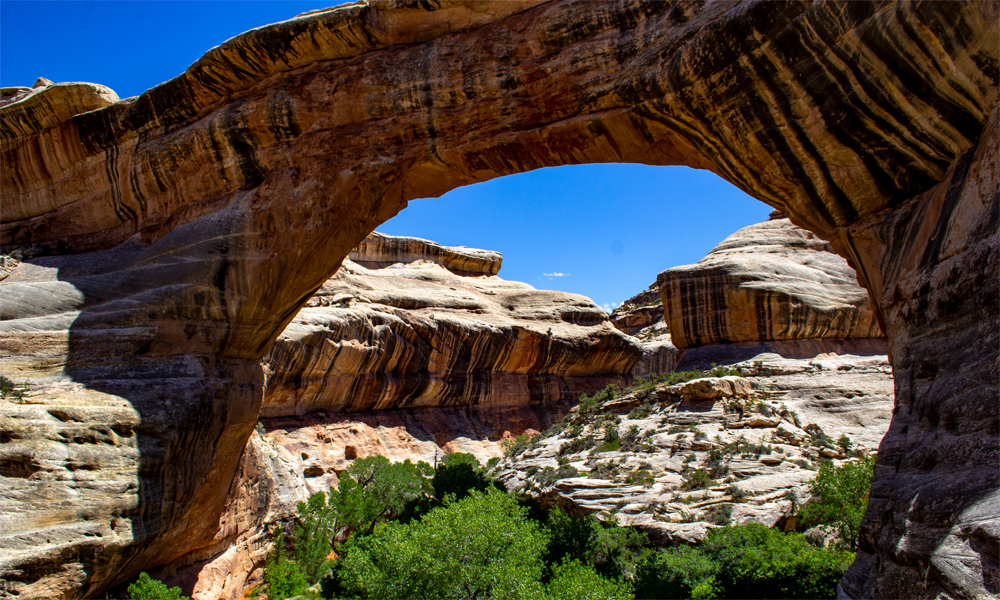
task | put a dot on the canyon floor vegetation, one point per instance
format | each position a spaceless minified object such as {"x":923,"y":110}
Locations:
{"x":404,"y":530}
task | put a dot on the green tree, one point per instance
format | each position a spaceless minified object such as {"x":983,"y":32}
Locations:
{"x":315,"y":527}
{"x":610,"y":549}
{"x":840,"y":498}
{"x":572,"y":580}
{"x":147,"y":588}
{"x":282,"y":577}
{"x":373,"y":490}
{"x":480,"y":546}
{"x":757,"y":562}
{"x":672,"y":573}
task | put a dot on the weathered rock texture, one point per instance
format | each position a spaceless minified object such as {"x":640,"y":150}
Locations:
{"x":764,"y":458}
{"x":173,"y":236}
{"x":769,"y":281}
{"x":414,"y":331}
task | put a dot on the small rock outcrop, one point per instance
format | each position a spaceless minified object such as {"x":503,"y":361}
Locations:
{"x":407,"y":323}
{"x":769,"y":281}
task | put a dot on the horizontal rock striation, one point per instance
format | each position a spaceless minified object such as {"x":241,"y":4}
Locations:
{"x":760,"y":438}
{"x":170,"y":238}
{"x":769,"y":281}
{"x":416,"y":334}
{"x":379,"y":250}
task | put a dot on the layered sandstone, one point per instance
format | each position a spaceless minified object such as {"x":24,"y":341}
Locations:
{"x":171,"y":237}
{"x":428,"y":325}
{"x":769,"y":281}
{"x":769,"y":430}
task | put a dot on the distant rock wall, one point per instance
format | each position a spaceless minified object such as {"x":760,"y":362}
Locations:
{"x":412,"y":333}
{"x":769,"y":281}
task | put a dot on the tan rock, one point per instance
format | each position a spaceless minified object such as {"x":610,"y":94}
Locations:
{"x":712,"y":388}
{"x":770,"y":281}
{"x":409,"y":332}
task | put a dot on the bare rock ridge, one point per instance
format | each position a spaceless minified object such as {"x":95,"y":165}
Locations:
{"x":428,"y":325}
{"x":769,"y":281}
{"x":169,"y":239}
{"x":379,"y":250}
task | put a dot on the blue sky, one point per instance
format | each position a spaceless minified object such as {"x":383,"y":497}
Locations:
{"x":603,"y":231}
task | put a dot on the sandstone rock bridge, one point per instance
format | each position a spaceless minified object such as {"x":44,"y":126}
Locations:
{"x":167,"y":239}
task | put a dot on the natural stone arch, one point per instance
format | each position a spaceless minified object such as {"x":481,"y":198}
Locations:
{"x":185,"y":227}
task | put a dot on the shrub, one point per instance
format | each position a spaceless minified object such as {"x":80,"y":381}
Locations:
{"x":721,"y":514}
{"x":756,"y":562}
{"x":640,"y":477}
{"x":697,"y":480}
{"x":572,"y":580}
{"x":672,"y":573}
{"x":577,"y":445}
{"x":840,"y":498}
{"x":515,"y":446}
{"x":480,"y":546}
{"x":549,"y":475}
{"x":147,"y":588}
{"x":845,"y":443}
{"x":630,"y":439}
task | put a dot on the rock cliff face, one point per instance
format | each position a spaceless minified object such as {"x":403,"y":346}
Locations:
{"x":412,"y":331}
{"x":769,"y":281}
{"x":170,"y":238}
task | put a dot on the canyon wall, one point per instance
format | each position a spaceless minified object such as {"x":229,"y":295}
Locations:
{"x":426,"y":325}
{"x":168,"y":239}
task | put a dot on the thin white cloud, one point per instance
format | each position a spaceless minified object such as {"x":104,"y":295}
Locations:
{"x":556,"y":274}
{"x":610,"y":306}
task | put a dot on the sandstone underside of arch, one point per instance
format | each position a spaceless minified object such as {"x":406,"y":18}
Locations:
{"x":169,"y":238}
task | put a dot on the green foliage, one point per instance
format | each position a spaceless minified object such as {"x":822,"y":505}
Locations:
{"x":373,"y":490}
{"x":747,"y":561}
{"x":480,"y":546}
{"x":458,"y":475}
{"x":314,"y":530}
{"x":697,"y":480}
{"x":578,"y":444}
{"x":630,"y":439}
{"x":572,"y":580}
{"x":845,"y":443}
{"x":549,"y":475}
{"x":757,"y":562}
{"x":515,"y":446}
{"x":282,"y":577}
{"x":721,"y":514}
{"x":9,"y":389}
{"x":840,"y":498}
{"x":610,"y":549}
{"x":147,"y":588}
{"x":642,"y":477}
{"x":672,"y":573}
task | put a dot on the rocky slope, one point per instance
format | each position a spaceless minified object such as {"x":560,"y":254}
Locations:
{"x":769,"y":281}
{"x":171,"y":237}
{"x":715,"y":450}
{"x":407,"y":323}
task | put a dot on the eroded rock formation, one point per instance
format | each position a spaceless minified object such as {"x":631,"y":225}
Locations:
{"x":759,"y":438}
{"x":425,"y":325}
{"x":769,"y":281}
{"x":171,"y":237}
